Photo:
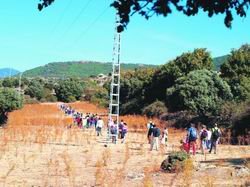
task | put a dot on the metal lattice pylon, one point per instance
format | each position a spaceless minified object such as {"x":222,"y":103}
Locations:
{"x":115,"y":82}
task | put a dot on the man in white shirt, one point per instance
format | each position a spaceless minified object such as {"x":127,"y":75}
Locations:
{"x":209,"y":135}
{"x":99,"y":126}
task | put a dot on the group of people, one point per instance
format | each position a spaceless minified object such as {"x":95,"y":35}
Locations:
{"x":154,"y":135}
{"x":208,"y":138}
{"x":87,"y":120}
{"x":117,"y":130}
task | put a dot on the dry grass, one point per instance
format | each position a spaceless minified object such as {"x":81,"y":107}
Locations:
{"x":138,"y":123}
{"x":188,"y":171}
{"x":147,"y":180}
{"x":37,"y":149}
{"x":100,"y":173}
{"x":87,"y":107}
{"x":209,"y":181}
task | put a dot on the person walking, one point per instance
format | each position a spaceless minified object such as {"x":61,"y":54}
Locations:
{"x":121,"y":124}
{"x":209,"y":135}
{"x":99,"y":126}
{"x":164,"y":139}
{"x":192,"y":137}
{"x":124,"y":132}
{"x":203,"y":139}
{"x":114,"y":131}
{"x":155,"y":138}
{"x":216,"y":134}
{"x":150,"y":127}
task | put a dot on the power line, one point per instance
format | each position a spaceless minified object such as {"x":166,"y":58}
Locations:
{"x":91,"y":24}
{"x":62,"y":16}
{"x":78,"y":16}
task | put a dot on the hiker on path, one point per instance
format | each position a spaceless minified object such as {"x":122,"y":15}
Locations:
{"x":216,"y":134}
{"x":150,"y":127}
{"x":184,"y":144}
{"x":124,"y":132}
{"x":155,"y":138}
{"x":164,"y":139}
{"x":209,"y":135}
{"x":121,"y":124}
{"x":113,"y":130}
{"x":192,"y":137}
{"x":99,"y":126}
{"x":203,"y":139}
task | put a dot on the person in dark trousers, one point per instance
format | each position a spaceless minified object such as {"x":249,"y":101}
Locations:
{"x":150,"y":127}
{"x":155,"y":138}
{"x":203,"y":139}
{"x":216,"y":134}
{"x":124,"y":132}
{"x":121,"y":124}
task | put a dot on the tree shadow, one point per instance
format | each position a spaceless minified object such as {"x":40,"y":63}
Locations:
{"x":228,"y":161}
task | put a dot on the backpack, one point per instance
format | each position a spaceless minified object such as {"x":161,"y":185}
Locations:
{"x":215,"y":134}
{"x":151,"y":126}
{"x":193,"y":134}
{"x":204,"y":134}
{"x":124,"y":129}
{"x":157,"y":132}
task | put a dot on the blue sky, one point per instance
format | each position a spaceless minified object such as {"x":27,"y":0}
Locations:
{"x":77,"y":30}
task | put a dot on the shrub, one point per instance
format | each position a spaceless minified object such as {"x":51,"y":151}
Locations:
{"x":9,"y":100}
{"x":203,"y":92}
{"x":175,"y":161}
{"x":51,"y":98}
{"x":155,"y":109}
{"x":29,"y":100}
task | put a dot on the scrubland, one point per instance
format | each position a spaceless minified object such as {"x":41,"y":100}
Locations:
{"x":37,"y":148}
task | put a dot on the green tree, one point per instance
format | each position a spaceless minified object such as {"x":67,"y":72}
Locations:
{"x":155,"y":109}
{"x":133,"y":89}
{"x":10,"y":82}
{"x":69,"y":90}
{"x":166,"y":76}
{"x":35,"y":90}
{"x":96,"y":94}
{"x":149,"y":8}
{"x":9,"y":101}
{"x":236,"y":71}
{"x":201,"y":91}
{"x":238,"y":63}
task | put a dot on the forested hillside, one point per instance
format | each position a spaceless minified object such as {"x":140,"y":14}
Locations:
{"x":76,"y":69}
{"x":218,"y":61}
{"x":6,"y":72}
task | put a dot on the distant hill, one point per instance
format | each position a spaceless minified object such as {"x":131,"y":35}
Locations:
{"x":218,"y":61}
{"x":6,"y":72}
{"x":76,"y":69}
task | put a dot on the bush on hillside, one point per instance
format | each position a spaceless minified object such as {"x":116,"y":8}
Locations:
{"x":69,"y":90}
{"x":201,"y":91}
{"x":9,"y":100}
{"x":155,"y":109}
{"x":236,"y":71}
{"x":30,"y":100}
{"x":35,"y":90}
{"x":175,"y":161}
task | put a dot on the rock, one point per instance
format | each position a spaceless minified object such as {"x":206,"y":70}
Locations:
{"x":242,"y":171}
{"x":135,"y":176}
{"x":210,"y":166}
{"x":156,"y":175}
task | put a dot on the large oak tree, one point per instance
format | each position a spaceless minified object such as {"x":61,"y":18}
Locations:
{"x":149,"y":8}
